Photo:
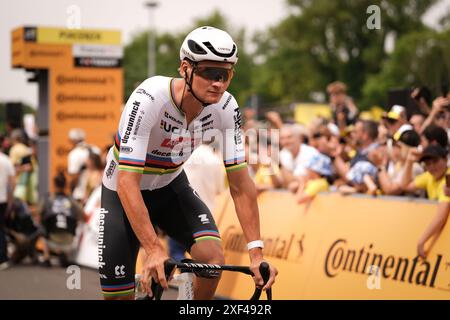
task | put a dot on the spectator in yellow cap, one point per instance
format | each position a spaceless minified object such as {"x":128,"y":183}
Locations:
{"x":434,"y":158}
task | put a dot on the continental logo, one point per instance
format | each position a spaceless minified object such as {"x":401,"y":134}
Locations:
{"x":78,"y":98}
{"x":67,"y":116}
{"x":341,"y":258}
{"x":132,"y":117}
{"x":63,"y":80}
{"x":281,"y":247}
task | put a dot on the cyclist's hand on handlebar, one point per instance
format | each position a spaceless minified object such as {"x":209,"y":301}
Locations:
{"x":256,"y":259}
{"x":154,"y":269}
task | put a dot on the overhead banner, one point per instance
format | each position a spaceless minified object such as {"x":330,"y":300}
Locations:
{"x":340,"y":248}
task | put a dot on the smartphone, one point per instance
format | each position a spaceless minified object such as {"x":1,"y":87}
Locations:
{"x":447,"y":180}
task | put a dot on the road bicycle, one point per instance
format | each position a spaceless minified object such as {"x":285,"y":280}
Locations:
{"x":189,"y":269}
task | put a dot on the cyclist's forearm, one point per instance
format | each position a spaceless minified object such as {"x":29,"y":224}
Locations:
{"x":137,"y":214}
{"x":244,"y":197}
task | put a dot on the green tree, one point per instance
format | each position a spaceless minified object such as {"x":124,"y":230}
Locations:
{"x":323,"y":41}
{"x":419,"y":58}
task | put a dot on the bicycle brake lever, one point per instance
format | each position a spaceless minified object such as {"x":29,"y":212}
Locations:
{"x":264,"y":269}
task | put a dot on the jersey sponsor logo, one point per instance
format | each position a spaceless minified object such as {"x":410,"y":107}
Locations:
{"x":169,"y":127}
{"x":206,"y":117}
{"x":168,"y":116}
{"x":207,"y":123}
{"x":237,"y":126}
{"x":101,"y":234}
{"x":111,"y":168}
{"x":126,"y":149}
{"x":171,"y":143}
{"x":203,"y":218}
{"x":170,"y":154}
{"x":138,"y":122}
{"x":142,"y":91}
{"x":227,"y":102}
{"x":132,"y":117}
{"x":119,"y":271}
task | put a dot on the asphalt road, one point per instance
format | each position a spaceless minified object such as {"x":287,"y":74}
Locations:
{"x":30,"y":282}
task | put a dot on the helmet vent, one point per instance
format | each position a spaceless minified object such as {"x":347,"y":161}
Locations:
{"x":222,"y":55}
{"x":195,"y":47}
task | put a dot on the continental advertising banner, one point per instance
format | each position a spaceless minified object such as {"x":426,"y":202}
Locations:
{"x":340,"y":248}
{"x":90,"y":99}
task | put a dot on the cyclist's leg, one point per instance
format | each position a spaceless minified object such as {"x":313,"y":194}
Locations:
{"x":117,"y":249}
{"x":207,"y":251}
{"x":188,"y":220}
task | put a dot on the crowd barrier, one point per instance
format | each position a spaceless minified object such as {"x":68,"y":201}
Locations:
{"x":340,"y":247}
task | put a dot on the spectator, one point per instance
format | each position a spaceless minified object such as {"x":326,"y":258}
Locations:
{"x":359,"y":172}
{"x":21,"y":156}
{"x":23,"y":232}
{"x":267,"y":175}
{"x":390,"y":160}
{"x":91,"y":177}
{"x":434,"y":158}
{"x":274,"y":119}
{"x":364,"y":137}
{"x":59,"y":217}
{"x":343,"y":109}
{"x":18,"y":148}
{"x":394,"y":119}
{"x":7,"y":182}
{"x":294,"y":154}
{"x":76,"y":161}
{"x":417,"y":121}
{"x":249,"y":119}
{"x":439,"y":114}
{"x":319,"y":168}
{"x":434,"y":134}
{"x":422,"y":97}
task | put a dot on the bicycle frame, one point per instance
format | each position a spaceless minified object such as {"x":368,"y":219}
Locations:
{"x":194,"y":267}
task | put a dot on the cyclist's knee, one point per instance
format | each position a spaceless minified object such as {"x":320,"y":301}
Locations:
{"x":208,"y":252}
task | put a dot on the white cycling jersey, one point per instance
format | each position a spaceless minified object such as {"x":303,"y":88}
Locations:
{"x":154,"y":139}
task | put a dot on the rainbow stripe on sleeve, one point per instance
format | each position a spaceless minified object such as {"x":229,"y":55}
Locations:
{"x":235,"y":164}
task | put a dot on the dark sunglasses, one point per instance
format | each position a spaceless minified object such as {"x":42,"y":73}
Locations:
{"x":215,"y":73}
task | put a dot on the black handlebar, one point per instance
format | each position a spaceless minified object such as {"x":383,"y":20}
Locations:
{"x":170,"y":265}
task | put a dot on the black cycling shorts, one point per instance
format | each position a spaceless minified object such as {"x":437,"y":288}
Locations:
{"x":176,"y":209}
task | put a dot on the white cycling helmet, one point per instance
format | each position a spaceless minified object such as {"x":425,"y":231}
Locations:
{"x":208,"y":43}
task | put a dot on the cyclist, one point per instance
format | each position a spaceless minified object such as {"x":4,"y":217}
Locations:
{"x":144,"y":185}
